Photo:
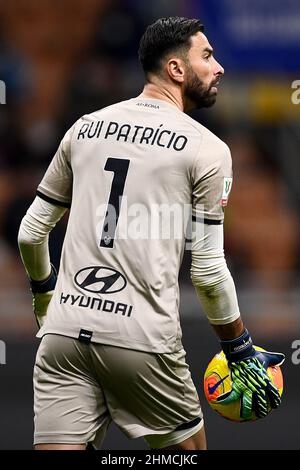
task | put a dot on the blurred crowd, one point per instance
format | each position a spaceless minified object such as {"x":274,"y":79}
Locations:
{"x":60,"y":60}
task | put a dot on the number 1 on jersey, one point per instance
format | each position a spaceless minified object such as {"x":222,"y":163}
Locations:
{"x":120,"y":169}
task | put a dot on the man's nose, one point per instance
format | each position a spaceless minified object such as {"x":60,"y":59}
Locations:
{"x":218,"y":69}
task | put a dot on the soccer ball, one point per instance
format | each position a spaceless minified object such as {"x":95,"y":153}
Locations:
{"x":217,"y":381}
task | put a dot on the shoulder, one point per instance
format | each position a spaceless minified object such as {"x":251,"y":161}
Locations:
{"x":207,"y":137}
{"x":209,"y":145}
{"x":100,"y":113}
{"x":211,"y":151}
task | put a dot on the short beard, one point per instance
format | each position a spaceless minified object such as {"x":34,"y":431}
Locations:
{"x":196,"y":93}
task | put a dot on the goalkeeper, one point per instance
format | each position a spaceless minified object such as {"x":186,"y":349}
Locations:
{"x":111,"y":345}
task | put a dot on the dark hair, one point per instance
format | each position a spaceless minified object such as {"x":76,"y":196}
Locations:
{"x":164,"y":36}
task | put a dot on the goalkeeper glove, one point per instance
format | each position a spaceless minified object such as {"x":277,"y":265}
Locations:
{"x":250,"y":381}
{"x":42,"y":292}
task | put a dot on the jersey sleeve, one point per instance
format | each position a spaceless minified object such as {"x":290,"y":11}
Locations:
{"x":212,"y":182}
{"x":56,"y":185}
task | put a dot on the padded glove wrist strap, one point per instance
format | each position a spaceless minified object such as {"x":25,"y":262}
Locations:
{"x":239,"y":348}
{"x":41,"y":287}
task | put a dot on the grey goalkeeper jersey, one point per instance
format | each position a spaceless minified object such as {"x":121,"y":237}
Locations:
{"x":129,"y":174}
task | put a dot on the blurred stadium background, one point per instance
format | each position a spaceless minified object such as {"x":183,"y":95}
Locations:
{"x":60,"y":60}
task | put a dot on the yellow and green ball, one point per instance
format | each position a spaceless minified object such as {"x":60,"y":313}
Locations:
{"x":217,"y":381}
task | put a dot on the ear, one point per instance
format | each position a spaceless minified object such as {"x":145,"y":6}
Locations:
{"x":176,"y":70}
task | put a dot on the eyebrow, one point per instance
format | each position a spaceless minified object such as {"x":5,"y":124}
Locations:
{"x":209,"y":50}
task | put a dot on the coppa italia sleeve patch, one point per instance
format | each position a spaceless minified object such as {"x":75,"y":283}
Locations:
{"x":227,"y":184}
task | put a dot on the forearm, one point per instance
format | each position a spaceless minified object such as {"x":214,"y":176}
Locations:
{"x":219,"y":301}
{"x":33,"y":237}
{"x":35,"y":257}
{"x":230,"y":330}
{"x":213,"y":282}
{"x":221,"y":307}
